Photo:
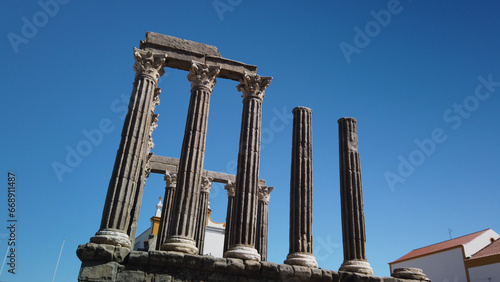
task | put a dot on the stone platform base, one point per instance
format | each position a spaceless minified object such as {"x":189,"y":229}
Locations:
{"x":102,"y":262}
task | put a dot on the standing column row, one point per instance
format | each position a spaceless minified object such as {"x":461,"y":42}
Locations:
{"x":231,"y":192}
{"x":166,"y":212}
{"x":121,"y":200}
{"x":206,"y":186}
{"x":301,"y":185}
{"x":187,"y":193}
{"x":242,"y":236}
{"x":262,"y":221}
{"x":351,"y":195}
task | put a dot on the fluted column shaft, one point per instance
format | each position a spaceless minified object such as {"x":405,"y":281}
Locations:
{"x":122,"y":197}
{"x":166,"y":212}
{"x":230,"y":203}
{"x":262,"y":221}
{"x":301,"y":188}
{"x":242,"y":236}
{"x":351,"y":194}
{"x":206,"y":185}
{"x":184,"y":215}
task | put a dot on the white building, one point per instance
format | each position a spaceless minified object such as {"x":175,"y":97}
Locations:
{"x":214,"y":234}
{"x":473,"y":257}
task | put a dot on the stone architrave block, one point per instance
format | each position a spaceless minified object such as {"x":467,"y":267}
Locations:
{"x":208,"y":263}
{"x":174,"y":258}
{"x":138,"y":258}
{"x":157,"y":258}
{"x":252,"y":267}
{"x":131,"y":276}
{"x":316,"y":274}
{"x":92,"y":271}
{"x":328,"y":275}
{"x":269,"y":269}
{"x":193,"y":261}
{"x":235,"y":266}
{"x":302,"y":273}
{"x":286,"y":272}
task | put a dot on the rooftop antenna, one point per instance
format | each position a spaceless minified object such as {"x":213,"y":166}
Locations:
{"x":449,"y":231}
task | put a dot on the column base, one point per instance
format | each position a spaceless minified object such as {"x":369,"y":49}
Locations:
{"x":242,"y":252}
{"x":112,"y":237}
{"x":302,"y":259}
{"x":180,"y":244}
{"x":358,"y":266}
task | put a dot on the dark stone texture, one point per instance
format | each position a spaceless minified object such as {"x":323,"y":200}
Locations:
{"x":155,"y":266}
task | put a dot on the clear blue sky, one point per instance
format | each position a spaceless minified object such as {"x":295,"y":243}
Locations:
{"x":428,"y":141}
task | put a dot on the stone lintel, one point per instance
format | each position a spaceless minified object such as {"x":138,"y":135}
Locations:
{"x":159,"y":164}
{"x":182,"y":52}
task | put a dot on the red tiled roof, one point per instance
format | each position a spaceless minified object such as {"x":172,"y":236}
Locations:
{"x":490,"y":250}
{"x":440,"y":246}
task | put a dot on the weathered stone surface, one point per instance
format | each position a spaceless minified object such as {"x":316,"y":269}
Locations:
{"x":235,"y":266}
{"x":351,"y":195}
{"x":242,"y":237}
{"x":182,"y":52}
{"x":201,"y":225}
{"x":94,"y":271}
{"x":157,"y":258}
{"x":193,"y":261}
{"x":409,"y":273}
{"x":131,"y":276}
{"x":301,"y":189}
{"x":252,"y":267}
{"x":174,"y":258}
{"x":184,"y":218}
{"x":208,"y":263}
{"x":168,"y":203}
{"x":269,"y":269}
{"x":286,"y":272}
{"x":316,"y":274}
{"x":302,"y":273}
{"x":163,"y":278}
{"x":327,"y":275}
{"x":138,"y":258}
{"x":264,"y":193}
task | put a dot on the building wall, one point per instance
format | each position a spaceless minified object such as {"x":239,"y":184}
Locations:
{"x":447,"y":266}
{"x":485,"y":273}
{"x":214,"y":241}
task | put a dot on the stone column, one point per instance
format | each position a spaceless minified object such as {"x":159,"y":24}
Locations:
{"x":301,"y":185}
{"x":230,"y":202}
{"x":206,"y":185}
{"x":262,"y":221}
{"x":242,"y":236}
{"x":184,"y":215}
{"x":166,"y":212}
{"x":121,"y":199}
{"x":144,"y":174}
{"x":351,"y":195}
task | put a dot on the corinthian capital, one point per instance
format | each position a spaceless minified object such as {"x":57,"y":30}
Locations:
{"x":171,"y":179}
{"x":230,"y":188}
{"x":265,"y":194}
{"x":253,"y":85}
{"x":206,"y":184}
{"x":149,"y":64}
{"x":202,"y":75}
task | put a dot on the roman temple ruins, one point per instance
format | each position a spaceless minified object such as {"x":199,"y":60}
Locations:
{"x":175,"y":253}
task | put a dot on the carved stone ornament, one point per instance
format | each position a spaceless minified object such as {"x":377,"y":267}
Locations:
{"x":156,"y":99}
{"x":206,"y":184}
{"x":154,"y":124}
{"x":230,"y":188}
{"x":202,"y":75}
{"x":149,"y":64}
{"x":253,"y":85}
{"x":171,"y":179}
{"x":265,"y":194}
